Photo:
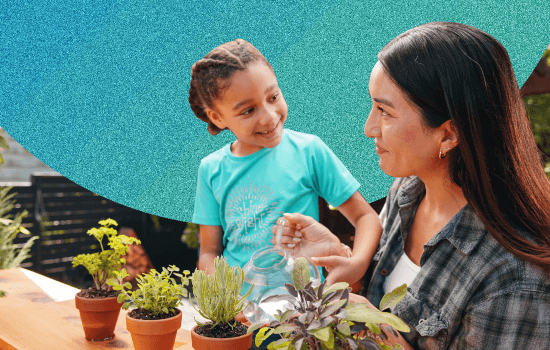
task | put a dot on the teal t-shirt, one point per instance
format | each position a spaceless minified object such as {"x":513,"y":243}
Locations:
{"x":246,"y":195}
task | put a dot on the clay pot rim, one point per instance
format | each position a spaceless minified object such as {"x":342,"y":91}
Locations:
{"x":195,"y":334}
{"x":152,"y":327}
{"x":97,"y":304}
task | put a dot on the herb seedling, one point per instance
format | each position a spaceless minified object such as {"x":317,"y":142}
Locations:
{"x":103,"y":265}
{"x":157,"y":292}
{"x":217,"y":296}
{"x":319,"y":318}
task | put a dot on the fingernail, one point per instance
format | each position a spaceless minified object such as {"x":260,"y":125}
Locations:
{"x":286,"y":215}
{"x":296,"y":239}
{"x":298,"y":234}
{"x":291,"y":245}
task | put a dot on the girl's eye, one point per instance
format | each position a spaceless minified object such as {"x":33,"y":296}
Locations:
{"x":248,"y":111}
{"x":383,"y":112}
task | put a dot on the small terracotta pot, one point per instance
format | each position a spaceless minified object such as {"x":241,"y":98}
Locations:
{"x":98,"y":316}
{"x":199,"y":342}
{"x":154,"y":334}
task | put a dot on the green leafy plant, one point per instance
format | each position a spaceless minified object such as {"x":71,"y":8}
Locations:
{"x":323,"y":318}
{"x":105,"y":264}
{"x":157,"y":292}
{"x":191,"y":235}
{"x":10,"y":226}
{"x":217,"y":296}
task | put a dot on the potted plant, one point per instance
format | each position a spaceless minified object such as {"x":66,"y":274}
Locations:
{"x":155,"y":320}
{"x":218,"y":300}
{"x":98,"y":304}
{"x":322,"y":318}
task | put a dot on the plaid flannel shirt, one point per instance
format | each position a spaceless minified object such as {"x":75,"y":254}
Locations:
{"x":470,"y":292}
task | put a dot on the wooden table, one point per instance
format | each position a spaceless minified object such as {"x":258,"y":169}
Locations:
{"x":30,"y":319}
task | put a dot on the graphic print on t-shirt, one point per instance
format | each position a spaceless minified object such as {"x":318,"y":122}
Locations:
{"x":250,"y":212}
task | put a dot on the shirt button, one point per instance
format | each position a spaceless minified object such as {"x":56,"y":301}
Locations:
{"x":384,"y":272}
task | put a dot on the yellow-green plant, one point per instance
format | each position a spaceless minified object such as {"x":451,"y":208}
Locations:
{"x":157,"y":292}
{"x":103,"y":265}
{"x":217,"y":296}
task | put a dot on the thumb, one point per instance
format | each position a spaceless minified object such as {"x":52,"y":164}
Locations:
{"x":325,"y":261}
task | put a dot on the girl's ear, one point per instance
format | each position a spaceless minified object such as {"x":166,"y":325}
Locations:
{"x":450,"y":136}
{"x":216,"y":118}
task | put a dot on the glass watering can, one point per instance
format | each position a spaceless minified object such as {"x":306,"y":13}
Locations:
{"x":268,"y":270}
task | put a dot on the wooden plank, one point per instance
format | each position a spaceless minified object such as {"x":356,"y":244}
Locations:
{"x":31,"y":320}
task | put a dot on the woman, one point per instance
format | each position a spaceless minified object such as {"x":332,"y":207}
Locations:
{"x":467,"y":219}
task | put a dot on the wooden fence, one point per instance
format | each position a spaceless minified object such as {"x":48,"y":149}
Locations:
{"x":60,"y":213}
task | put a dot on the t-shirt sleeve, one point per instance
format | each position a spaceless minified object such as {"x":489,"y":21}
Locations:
{"x":207,"y":209}
{"x":331,"y":179}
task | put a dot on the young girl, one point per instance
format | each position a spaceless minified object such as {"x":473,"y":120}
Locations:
{"x":244,"y":187}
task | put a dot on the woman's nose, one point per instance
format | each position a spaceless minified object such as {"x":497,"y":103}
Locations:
{"x":372,"y":129}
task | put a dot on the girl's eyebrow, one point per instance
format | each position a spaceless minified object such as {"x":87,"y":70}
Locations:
{"x":243,"y":102}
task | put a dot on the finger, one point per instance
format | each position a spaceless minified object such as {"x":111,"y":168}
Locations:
{"x":297,"y":218}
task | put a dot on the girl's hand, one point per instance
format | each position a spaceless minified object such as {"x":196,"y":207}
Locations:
{"x":302,"y":233}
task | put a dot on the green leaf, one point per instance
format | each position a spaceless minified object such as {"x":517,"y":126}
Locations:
{"x":128,"y":285}
{"x":392,"y":298}
{"x":343,"y":327}
{"x":254,"y":326}
{"x":300,"y":273}
{"x":397,"y":347}
{"x":288,"y":327}
{"x":120,"y":298}
{"x":335,"y":287}
{"x":361,"y":313}
{"x":322,"y":334}
{"x":262,"y":335}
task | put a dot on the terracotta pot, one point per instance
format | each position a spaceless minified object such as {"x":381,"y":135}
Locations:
{"x":154,"y":334}
{"x":199,"y":342}
{"x":98,"y":316}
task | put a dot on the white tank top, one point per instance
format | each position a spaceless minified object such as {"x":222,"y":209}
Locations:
{"x":404,"y":272}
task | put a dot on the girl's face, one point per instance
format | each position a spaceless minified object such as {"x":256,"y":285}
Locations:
{"x":253,"y":108}
{"x":404,"y":145}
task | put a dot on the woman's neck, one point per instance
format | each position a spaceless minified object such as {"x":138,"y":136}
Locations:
{"x":442,"y":197}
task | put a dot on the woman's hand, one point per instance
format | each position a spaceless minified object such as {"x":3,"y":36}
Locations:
{"x":303,"y":233}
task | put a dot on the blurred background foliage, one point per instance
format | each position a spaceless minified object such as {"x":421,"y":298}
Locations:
{"x":538,"y":108}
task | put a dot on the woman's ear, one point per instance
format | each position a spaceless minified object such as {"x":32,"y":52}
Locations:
{"x":215,"y":118}
{"x":450,"y":136}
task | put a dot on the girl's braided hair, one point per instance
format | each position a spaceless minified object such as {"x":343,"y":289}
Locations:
{"x":210,"y":75}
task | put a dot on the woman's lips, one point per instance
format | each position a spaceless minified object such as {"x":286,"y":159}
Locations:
{"x":379,"y":150}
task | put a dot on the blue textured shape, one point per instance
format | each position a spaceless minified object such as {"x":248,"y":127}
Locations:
{"x":98,"y":90}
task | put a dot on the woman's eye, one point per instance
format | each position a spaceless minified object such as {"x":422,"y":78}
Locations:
{"x":383,"y":112}
{"x":274,"y":97}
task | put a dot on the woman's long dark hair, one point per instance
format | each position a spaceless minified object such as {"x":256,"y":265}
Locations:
{"x":457,"y":72}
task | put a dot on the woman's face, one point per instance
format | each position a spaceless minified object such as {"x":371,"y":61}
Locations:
{"x":404,"y":145}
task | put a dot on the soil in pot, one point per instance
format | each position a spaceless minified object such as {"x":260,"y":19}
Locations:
{"x":223,"y":330}
{"x":218,"y":339}
{"x":99,"y":312}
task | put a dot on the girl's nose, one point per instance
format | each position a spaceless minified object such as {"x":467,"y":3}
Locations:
{"x":269,"y":115}
{"x":372,"y":128}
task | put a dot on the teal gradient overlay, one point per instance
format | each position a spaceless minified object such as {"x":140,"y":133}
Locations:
{"x":98,"y":90}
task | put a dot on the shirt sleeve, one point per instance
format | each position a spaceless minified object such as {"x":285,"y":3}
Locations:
{"x":207,"y":208}
{"x":331,"y":179}
{"x":517,"y":320}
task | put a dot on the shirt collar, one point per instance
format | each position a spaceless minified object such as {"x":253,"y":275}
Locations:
{"x":464,"y":231}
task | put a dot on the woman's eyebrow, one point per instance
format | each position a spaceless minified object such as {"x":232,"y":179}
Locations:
{"x":383,"y":101}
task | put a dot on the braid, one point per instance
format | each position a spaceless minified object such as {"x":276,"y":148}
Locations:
{"x":211,"y":74}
